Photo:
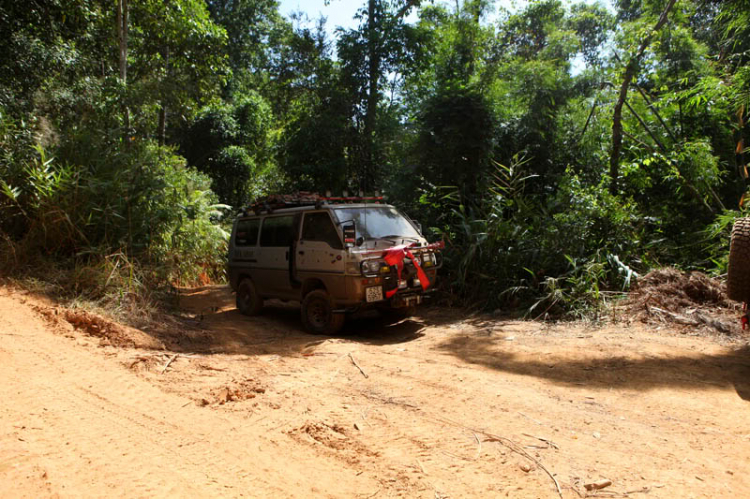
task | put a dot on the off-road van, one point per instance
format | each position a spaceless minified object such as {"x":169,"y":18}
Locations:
{"x":335,"y":256}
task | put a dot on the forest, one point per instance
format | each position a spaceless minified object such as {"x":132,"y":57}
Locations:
{"x":560,"y":150}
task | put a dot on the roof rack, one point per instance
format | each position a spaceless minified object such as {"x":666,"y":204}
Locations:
{"x":268,"y":204}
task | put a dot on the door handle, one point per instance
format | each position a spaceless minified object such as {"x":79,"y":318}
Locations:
{"x":301,"y":252}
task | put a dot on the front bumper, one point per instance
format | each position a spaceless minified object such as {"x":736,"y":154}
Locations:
{"x":373,"y":291}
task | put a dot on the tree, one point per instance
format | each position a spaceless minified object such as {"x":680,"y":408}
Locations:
{"x":378,"y":48}
{"x":631,"y":68}
{"x":454,"y":116}
{"x":233,"y":145}
{"x":123,"y":22}
{"x":256,"y":35}
{"x":44,"y":40}
{"x":456,"y":138}
{"x":178,"y":55}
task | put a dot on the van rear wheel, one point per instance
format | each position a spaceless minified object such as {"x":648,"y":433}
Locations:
{"x":249,"y":301}
{"x":317,"y":313}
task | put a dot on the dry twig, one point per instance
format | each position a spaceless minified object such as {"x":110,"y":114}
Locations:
{"x":355,"y":363}
{"x":171,"y":359}
{"x":510,"y":444}
{"x":549,"y":443}
{"x":518,"y":450}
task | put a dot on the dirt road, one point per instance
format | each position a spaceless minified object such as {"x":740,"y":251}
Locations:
{"x":439,"y":406}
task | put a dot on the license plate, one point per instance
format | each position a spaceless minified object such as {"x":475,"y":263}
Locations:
{"x":374,"y":294}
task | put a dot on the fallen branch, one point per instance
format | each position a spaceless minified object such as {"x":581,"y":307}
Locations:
{"x":479,"y":448}
{"x":169,"y":362}
{"x":549,"y":443}
{"x":689,"y":321}
{"x":357,"y":365}
{"x":389,"y":400}
{"x":210,"y":368}
{"x":510,"y":444}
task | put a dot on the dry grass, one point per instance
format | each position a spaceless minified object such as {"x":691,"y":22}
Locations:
{"x":681,"y":296}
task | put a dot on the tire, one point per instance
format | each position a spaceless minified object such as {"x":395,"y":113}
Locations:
{"x":738,"y":273}
{"x":249,"y":301}
{"x":317,"y":313}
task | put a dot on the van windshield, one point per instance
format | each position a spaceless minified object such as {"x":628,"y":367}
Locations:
{"x":377,"y":222}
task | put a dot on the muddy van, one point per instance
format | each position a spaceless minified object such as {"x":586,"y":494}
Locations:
{"x":336,"y":256}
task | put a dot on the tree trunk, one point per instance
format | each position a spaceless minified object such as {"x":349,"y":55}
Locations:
{"x":161,"y":131}
{"x":373,"y":94}
{"x":656,"y":113}
{"x":122,"y":37}
{"x":630,"y":72}
{"x":375,"y":34}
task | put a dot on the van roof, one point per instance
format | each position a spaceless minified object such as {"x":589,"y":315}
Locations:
{"x":298,"y":209}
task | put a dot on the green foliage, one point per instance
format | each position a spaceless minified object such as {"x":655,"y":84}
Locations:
{"x":456,"y":137}
{"x":145,"y":203}
{"x":41,"y":40}
{"x":592,"y":23}
{"x":233,"y":145}
{"x":496,"y":131}
{"x":256,"y":34}
{"x":231,"y":168}
{"x":558,"y":255}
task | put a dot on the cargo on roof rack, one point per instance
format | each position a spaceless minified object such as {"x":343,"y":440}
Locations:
{"x":268,"y":204}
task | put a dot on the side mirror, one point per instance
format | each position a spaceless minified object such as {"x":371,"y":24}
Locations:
{"x":350,"y":234}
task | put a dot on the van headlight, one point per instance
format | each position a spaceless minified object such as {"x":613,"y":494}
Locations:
{"x":429,"y":260}
{"x":374,"y":267}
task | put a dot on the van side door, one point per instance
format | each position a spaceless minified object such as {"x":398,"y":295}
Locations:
{"x":320,"y":252}
{"x":273,"y":254}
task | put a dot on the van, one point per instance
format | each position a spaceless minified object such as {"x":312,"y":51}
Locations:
{"x":336,"y":256}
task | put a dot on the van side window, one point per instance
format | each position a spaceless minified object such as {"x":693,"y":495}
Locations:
{"x":277,"y":232}
{"x":247,"y":232}
{"x":319,"y":227}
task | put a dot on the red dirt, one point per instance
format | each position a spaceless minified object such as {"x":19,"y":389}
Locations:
{"x":452,"y":406}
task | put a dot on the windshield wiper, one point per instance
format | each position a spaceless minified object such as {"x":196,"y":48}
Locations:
{"x":391,"y":236}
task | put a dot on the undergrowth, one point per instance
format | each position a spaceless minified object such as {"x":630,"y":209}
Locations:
{"x":118,"y":228}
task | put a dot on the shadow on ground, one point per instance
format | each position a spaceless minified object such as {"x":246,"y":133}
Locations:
{"x":698,"y":371}
{"x":210,"y":323}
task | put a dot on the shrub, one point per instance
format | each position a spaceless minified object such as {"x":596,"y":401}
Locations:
{"x":142,"y":202}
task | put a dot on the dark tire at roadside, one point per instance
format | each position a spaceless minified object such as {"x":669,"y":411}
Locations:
{"x":249,"y":301}
{"x":317,"y":313}
{"x":738,"y":273}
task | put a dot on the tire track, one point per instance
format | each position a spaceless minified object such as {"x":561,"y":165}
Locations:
{"x":100,"y":428}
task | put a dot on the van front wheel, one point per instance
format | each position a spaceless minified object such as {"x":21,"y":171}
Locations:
{"x":317,"y":314}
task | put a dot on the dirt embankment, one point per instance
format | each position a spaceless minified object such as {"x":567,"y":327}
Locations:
{"x":437,"y":406}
